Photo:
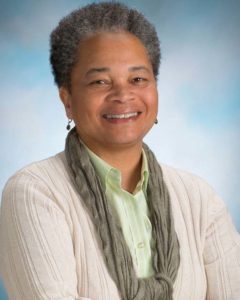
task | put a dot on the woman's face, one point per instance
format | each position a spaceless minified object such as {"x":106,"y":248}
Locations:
{"x":113,"y":97}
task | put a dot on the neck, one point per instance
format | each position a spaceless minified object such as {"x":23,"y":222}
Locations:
{"x":127,"y":160}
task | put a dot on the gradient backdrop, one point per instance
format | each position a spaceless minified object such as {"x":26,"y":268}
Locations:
{"x":199,"y":88}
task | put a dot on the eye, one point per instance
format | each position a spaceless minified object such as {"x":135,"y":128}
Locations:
{"x":99,"y":82}
{"x":139,"y":80}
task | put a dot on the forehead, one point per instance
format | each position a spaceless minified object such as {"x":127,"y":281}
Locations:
{"x":109,"y":47}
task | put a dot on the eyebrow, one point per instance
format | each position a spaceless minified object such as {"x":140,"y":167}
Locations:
{"x":106,"y":69}
{"x":97,"y":70}
{"x":139,"y":68}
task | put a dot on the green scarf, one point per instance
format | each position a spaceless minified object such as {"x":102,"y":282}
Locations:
{"x":117,"y":256}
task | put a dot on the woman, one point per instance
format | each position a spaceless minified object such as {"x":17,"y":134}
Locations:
{"x":103,"y":220}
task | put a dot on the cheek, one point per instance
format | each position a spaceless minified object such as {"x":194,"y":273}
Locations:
{"x":85,"y":110}
{"x":156,"y":103}
{"x":153,"y":102}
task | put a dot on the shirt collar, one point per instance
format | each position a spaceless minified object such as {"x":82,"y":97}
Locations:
{"x":107,"y":173}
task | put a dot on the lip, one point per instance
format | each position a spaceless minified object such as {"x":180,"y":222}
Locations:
{"x":121,"y":117}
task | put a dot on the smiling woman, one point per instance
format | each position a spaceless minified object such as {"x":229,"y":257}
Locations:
{"x":104,"y":220}
{"x":113,"y":94}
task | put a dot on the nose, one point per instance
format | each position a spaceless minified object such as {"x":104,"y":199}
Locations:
{"x":121,"y":92}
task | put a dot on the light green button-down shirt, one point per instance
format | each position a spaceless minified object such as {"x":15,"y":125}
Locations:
{"x":132,"y":211}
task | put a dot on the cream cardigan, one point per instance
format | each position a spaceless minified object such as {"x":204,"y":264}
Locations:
{"x":49,"y":249}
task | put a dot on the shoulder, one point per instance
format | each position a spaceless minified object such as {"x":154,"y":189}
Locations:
{"x":44,"y":186}
{"x":47,"y":178}
{"x":49,"y":165}
{"x":184,"y":179}
{"x":192,"y":192}
{"x":41,"y":171}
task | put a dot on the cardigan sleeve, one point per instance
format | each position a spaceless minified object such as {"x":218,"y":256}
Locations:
{"x":221,"y":253}
{"x":36,"y":256}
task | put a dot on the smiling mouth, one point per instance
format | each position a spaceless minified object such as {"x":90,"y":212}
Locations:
{"x":121,"y":116}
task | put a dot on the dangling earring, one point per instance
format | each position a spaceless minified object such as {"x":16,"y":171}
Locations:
{"x":156,"y":121}
{"x":68,"y":127}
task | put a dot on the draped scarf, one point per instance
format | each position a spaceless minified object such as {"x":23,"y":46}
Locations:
{"x":117,"y":256}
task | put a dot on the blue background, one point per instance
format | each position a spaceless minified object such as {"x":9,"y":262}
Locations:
{"x":199,"y":94}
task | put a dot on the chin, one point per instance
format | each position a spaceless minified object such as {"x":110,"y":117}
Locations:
{"x":125,"y":141}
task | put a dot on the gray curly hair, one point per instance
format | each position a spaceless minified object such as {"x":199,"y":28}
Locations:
{"x":87,"y":21}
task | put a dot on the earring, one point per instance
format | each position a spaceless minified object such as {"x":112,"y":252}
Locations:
{"x":156,"y":121}
{"x":68,"y":127}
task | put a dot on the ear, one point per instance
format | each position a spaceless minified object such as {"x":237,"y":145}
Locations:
{"x":66,"y":100}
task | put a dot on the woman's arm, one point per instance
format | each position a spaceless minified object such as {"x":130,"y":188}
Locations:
{"x":37,"y":258}
{"x":222,"y":254}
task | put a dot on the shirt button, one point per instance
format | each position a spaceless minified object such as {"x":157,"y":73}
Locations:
{"x":140,"y":245}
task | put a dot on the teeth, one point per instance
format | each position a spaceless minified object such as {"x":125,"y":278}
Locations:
{"x":121,"y":116}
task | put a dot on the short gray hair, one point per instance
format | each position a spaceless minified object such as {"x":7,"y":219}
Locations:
{"x":87,"y":21}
